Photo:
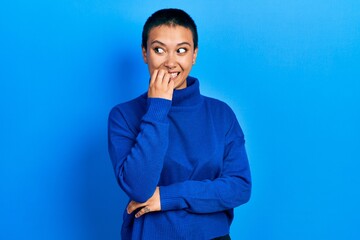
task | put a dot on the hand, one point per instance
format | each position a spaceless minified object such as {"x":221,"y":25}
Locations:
{"x":160,"y":85}
{"x":151,"y":205}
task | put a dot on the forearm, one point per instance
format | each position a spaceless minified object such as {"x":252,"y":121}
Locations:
{"x":231,"y":189}
{"x":206,"y":196}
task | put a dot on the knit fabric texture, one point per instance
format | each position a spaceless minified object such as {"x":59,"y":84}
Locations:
{"x":192,"y":148}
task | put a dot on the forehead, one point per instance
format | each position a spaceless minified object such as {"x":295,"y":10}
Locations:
{"x":170,"y":35}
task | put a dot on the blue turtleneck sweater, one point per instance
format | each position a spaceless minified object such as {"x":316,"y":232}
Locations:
{"x":192,"y":148}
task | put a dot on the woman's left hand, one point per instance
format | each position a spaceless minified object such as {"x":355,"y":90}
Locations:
{"x":151,"y":205}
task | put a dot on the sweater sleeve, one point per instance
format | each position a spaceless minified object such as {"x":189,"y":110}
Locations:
{"x":137,"y":157}
{"x":231,"y":189}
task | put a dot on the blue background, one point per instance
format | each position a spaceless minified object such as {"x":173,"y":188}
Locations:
{"x":289,"y":69}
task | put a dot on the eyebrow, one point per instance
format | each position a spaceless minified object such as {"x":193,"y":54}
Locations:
{"x":163,"y":44}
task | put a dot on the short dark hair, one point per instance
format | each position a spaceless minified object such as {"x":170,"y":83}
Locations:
{"x":169,"y":17}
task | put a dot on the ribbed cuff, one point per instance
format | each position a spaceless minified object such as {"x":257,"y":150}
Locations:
{"x":169,"y":201}
{"x":158,"y":108}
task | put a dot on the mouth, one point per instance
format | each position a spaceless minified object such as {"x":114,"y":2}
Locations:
{"x":174,"y":75}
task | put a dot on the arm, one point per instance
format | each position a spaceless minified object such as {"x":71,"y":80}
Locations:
{"x":138,"y":157}
{"x":230,"y":190}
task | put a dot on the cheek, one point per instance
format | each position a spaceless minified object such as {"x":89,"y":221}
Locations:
{"x":154,"y":61}
{"x":187,"y":63}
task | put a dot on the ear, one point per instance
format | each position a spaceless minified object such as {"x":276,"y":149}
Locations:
{"x":144,"y":54}
{"x":195,"y":55}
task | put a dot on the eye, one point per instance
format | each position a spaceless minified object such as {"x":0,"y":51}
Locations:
{"x":159,"y":50}
{"x":182,"y":50}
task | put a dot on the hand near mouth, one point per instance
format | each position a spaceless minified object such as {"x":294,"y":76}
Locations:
{"x":160,"y":85}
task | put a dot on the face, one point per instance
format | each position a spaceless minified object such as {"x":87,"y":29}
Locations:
{"x":171,"y":48}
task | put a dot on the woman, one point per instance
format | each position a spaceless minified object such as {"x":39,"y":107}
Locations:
{"x":178,"y":155}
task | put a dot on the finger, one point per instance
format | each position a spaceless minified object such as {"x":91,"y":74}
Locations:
{"x":171,"y":84}
{"x":166,"y":78}
{"x":142,"y":211}
{"x":132,"y":206}
{"x":153,"y":76}
{"x":160,"y":76}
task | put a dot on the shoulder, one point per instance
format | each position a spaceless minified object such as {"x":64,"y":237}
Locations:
{"x":131,"y":105}
{"x":131,"y":108}
{"x":218,"y":107}
{"x":223,"y":114}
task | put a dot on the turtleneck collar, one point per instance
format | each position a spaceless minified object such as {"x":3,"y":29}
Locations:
{"x":189,"y":96}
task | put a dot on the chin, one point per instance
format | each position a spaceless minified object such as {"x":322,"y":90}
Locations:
{"x":180,"y":84}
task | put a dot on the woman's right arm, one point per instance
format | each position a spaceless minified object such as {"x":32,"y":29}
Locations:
{"x":138,"y":157}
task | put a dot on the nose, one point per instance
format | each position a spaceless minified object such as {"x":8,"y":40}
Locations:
{"x":170,"y":61}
